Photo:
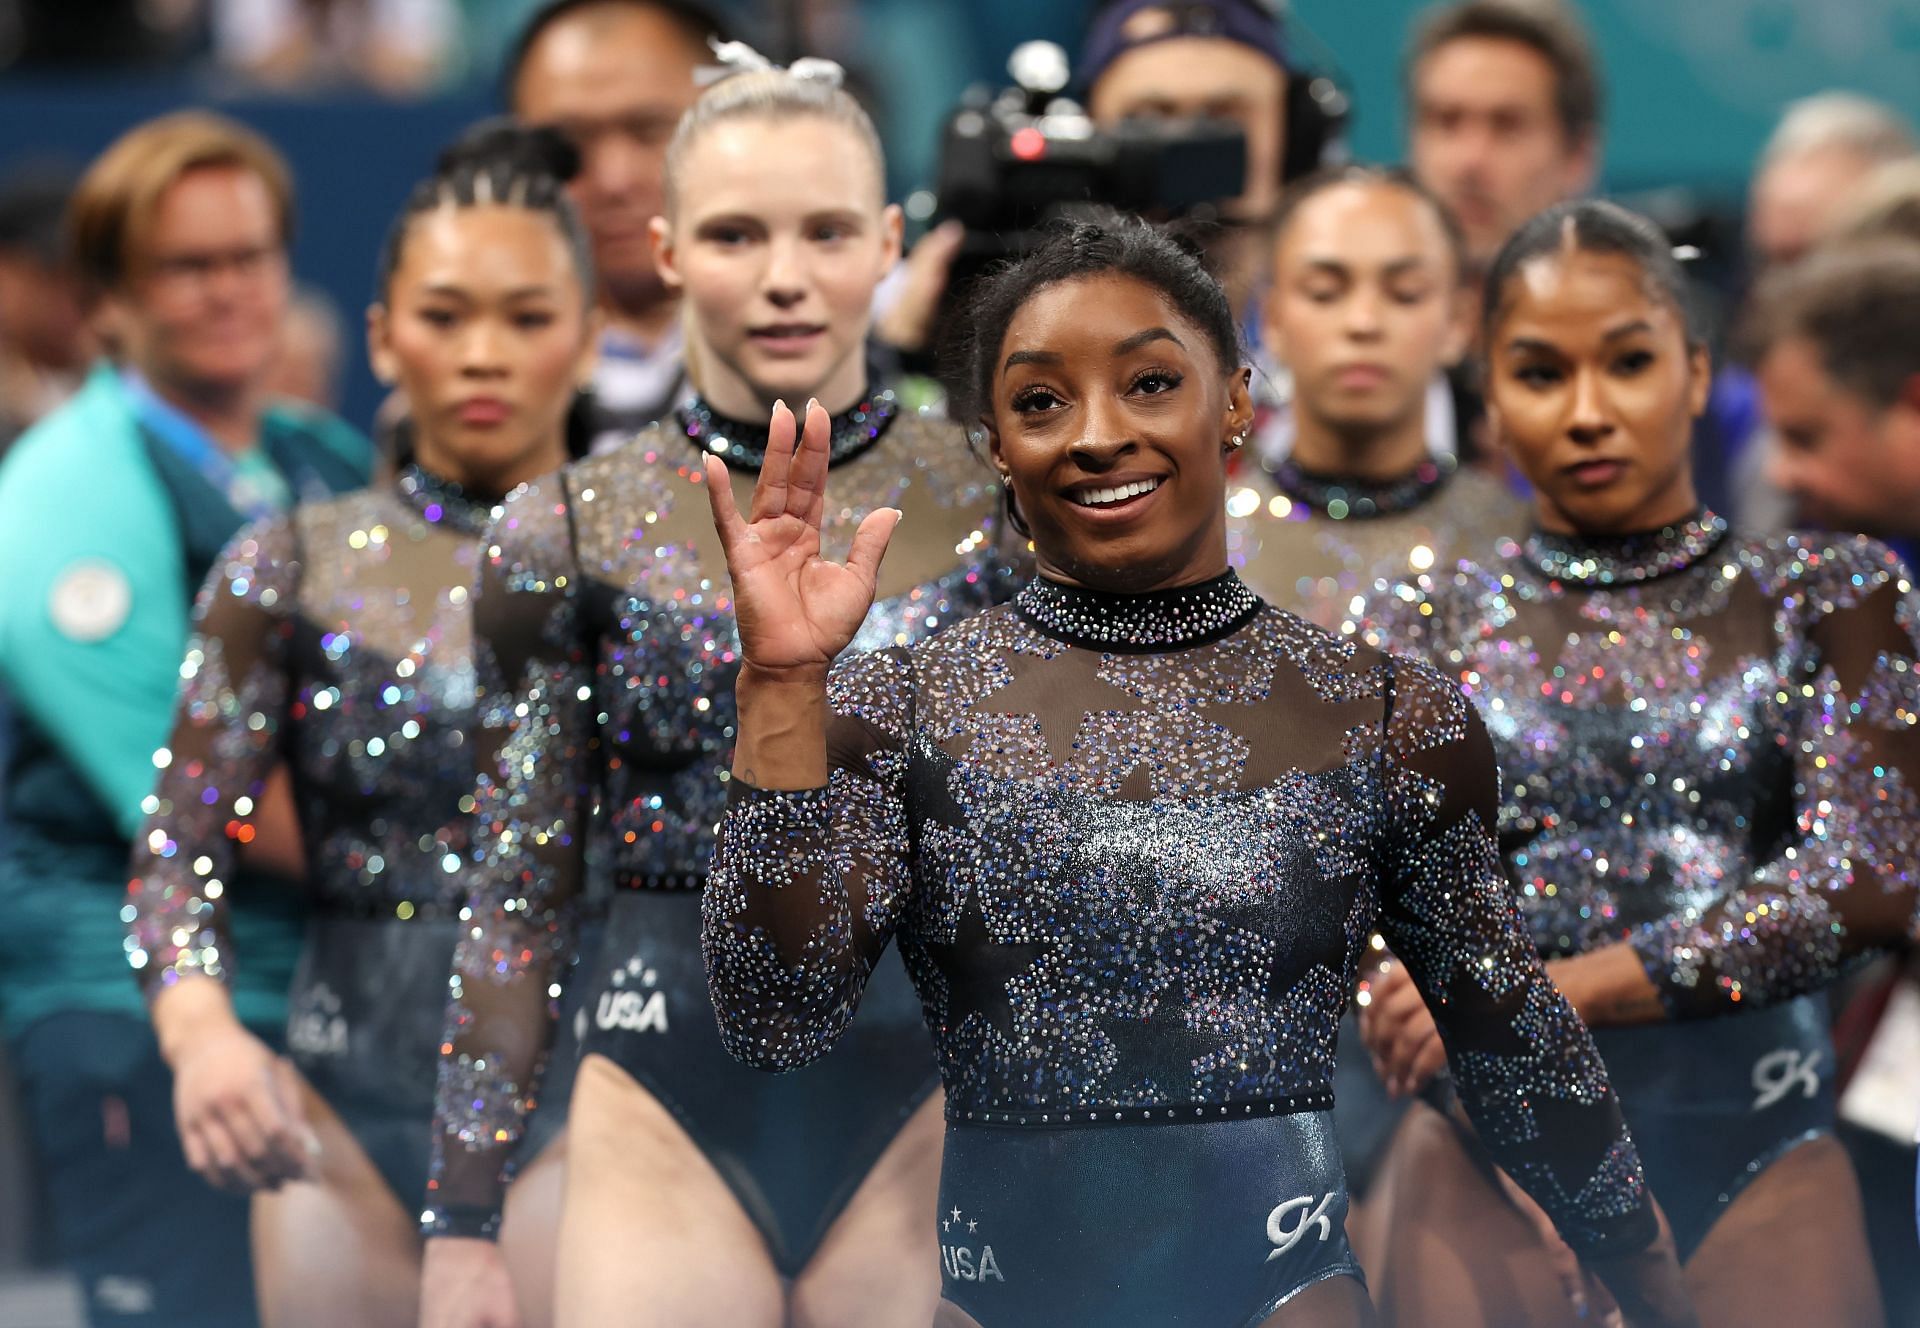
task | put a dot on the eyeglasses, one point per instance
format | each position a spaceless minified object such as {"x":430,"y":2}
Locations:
{"x":196,"y":269}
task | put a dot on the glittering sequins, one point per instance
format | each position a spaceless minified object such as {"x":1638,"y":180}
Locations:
{"x":607,"y":655}
{"x":338,"y":641}
{"x":1296,"y":555}
{"x":745,"y":445}
{"x":1134,"y":887}
{"x":1190,"y":615}
{"x":1708,"y":746}
{"x":1348,"y":497}
{"x":1624,"y":560}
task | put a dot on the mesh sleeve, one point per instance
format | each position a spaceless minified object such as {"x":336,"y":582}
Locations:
{"x":807,"y":886}
{"x":228,"y":717}
{"x":1524,"y":1065}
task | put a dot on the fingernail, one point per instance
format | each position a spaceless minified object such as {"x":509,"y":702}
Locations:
{"x":813,"y":404}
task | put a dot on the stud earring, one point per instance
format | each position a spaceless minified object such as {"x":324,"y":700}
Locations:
{"x":1237,"y":441}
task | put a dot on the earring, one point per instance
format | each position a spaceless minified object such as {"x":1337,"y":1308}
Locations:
{"x":1237,"y":441}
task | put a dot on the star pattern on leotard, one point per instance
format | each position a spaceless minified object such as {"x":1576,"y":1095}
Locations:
{"x":982,"y":986}
{"x":1036,"y":680}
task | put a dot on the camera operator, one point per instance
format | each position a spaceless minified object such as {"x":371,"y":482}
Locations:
{"x":614,"y":76}
{"x":1193,"y":108}
{"x":1213,"y":59}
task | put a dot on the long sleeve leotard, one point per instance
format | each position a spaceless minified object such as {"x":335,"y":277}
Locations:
{"x":1131,"y":848}
{"x":1709,"y":745}
{"x":606,"y":655}
{"x":337,"y":641}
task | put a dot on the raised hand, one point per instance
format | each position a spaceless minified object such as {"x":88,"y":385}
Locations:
{"x":796,"y":610}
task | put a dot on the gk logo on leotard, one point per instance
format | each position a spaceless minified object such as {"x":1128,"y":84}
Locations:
{"x":1778,"y":1073}
{"x":641,"y":1011}
{"x":1311,"y":1214}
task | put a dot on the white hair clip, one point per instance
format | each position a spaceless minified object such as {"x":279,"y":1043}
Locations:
{"x":818,"y":69}
{"x":736,"y":57}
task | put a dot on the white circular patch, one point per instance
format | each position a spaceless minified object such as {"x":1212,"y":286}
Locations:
{"x":91,"y":600}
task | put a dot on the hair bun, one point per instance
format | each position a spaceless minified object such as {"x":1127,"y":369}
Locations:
{"x":1193,"y":236}
{"x":500,"y":143}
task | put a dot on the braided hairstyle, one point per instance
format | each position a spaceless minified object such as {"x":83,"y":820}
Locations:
{"x":499,"y":163}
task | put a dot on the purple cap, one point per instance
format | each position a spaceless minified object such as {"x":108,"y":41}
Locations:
{"x":1120,"y":27}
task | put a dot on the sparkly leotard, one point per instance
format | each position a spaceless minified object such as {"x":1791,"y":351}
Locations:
{"x":1131,"y":848}
{"x":337,"y":641}
{"x":607,"y":658}
{"x":1315,"y":543}
{"x":1708,"y":745}
{"x":1320,"y":545}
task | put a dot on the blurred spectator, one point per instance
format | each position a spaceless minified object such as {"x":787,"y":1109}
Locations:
{"x":1811,"y":176}
{"x":312,"y":344}
{"x":1836,"y":340}
{"x":58,"y":34}
{"x":1886,"y":204}
{"x":1823,"y":150}
{"x":1504,"y":99}
{"x":399,"y":47}
{"x":615,"y":76}
{"x":43,"y":338}
{"x":112,"y":511}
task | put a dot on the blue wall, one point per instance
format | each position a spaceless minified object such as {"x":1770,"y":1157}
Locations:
{"x":1694,"y":85}
{"x":353,"y":161}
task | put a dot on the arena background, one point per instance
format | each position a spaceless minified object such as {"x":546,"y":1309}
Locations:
{"x":1693,"y":87}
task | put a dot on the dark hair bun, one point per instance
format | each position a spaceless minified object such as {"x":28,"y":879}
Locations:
{"x":501,"y":144}
{"x":1194,"y":236}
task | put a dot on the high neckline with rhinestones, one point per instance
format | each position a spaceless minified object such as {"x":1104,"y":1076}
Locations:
{"x":1138,"y":624}
{"x":744,"y":446}
{"x":1351,"y":498}
{"x":1624,"y":560}
{"x":442,"y":502}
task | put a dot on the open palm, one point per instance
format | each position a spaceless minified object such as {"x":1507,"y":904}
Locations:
{"x":795,"y":609}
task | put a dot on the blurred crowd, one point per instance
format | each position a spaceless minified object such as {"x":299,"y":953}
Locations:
{"x":166,"y":378}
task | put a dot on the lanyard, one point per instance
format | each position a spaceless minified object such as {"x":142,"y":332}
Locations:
{"x":245,"y":493}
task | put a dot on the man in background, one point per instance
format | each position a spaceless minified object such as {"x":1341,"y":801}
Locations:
{"x":1835,"y":339}
{"x":1836,"y":344}
{"x":113,"y":510}
{"x":1820,"y":155}
{"x":615,"y":76}
{"x":1504,"y":103}
{"x":1214,"y":59}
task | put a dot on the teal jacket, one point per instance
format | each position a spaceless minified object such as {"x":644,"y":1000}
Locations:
{"x":105,"y":537}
